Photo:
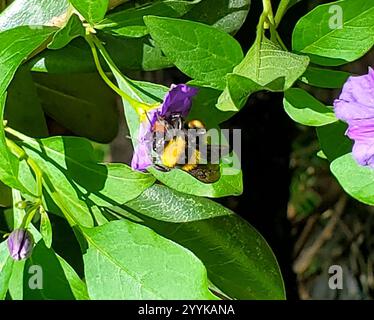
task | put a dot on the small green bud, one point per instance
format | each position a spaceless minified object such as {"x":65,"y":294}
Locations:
{"x":21,"y":205}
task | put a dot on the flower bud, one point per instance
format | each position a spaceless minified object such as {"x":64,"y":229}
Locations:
{"x":21,"y":205}
{"x":20,"y":244}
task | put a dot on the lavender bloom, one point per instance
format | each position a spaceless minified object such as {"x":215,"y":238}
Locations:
{"x":20,"y":244}
{"x":177,"y":100}
{"x":141,"y":158}
{"x":356,"y":107}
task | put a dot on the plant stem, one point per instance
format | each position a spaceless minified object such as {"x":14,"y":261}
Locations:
{"x":268,"y":10}
{"x":282,"y":8}
{"x":21,"y":154}
{"x":260,"y":27}
{"x":268,"y":17}
{"x":112,"y":65}
{"x":29,"y":216}
{"x":18,"y":135}
{"x":139,"y":106}
{"x":280,"y":41}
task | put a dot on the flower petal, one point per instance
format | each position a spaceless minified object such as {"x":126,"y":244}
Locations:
{"x":142,"y":157}
{"x":20,"y":244}
{"x":357,"y":98}
{"x":361,"y":129}
{"x":178,"y":100}
{"x":363,"y":152}
{"x":351,"y":111}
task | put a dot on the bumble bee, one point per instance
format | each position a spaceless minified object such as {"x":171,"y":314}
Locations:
{"x":176,"y":146}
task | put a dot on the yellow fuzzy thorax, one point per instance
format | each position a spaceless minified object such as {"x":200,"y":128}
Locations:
{"x":173,"y":151}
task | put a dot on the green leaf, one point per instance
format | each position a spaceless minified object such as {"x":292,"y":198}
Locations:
{"x":54,"y":282}
{"x":45,"y":228}
{"x":185,"y":208}
{"x":314,"y":36}
{"x":182,"y":181}
{"x":92,"y":10}
{"x":129,"y":22}
{"x":266,"y":62}
{"x":333,"y":141}
{"x":6,"y":266}
{"x":239,"y":88}
{"x":200,"y":51}
{"x":103,"y":184}
{"x":70,"y":31}
{"x":78,"y":287}
{"x":141,"y":53}
{"x":16,"y":280}
{"x":323,"y":61}
{"x":9,"y":164}
{"x":307,"y":110}
{"x":23,"y":110}
{"x":324,"y":78}
{"x":238,"y":259}
{"x":265,"y":67}
{"x":82,"y":103}
{"x":128,"y":261}
{"x":13,"y":54}
{"x":76,"y":57}
{"x":236,"y":93}
{"x":33,"y":13}
{"x":228,"y":15}
{"x":356,"y":180}
{"x":65,"y":194}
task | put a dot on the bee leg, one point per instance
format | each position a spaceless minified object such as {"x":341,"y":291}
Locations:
{"x":189,"y":167}
{"x":161,"y":168}
{"x":177,"y":121}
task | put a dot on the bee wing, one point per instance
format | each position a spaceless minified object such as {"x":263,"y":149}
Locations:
{"x":207,"y":173}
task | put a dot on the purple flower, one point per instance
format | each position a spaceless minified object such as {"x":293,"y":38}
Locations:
{"x":141,"y":158}
{"x":177,"y":100}
{"x":356,"y":107}
{"x":20,"y":244}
